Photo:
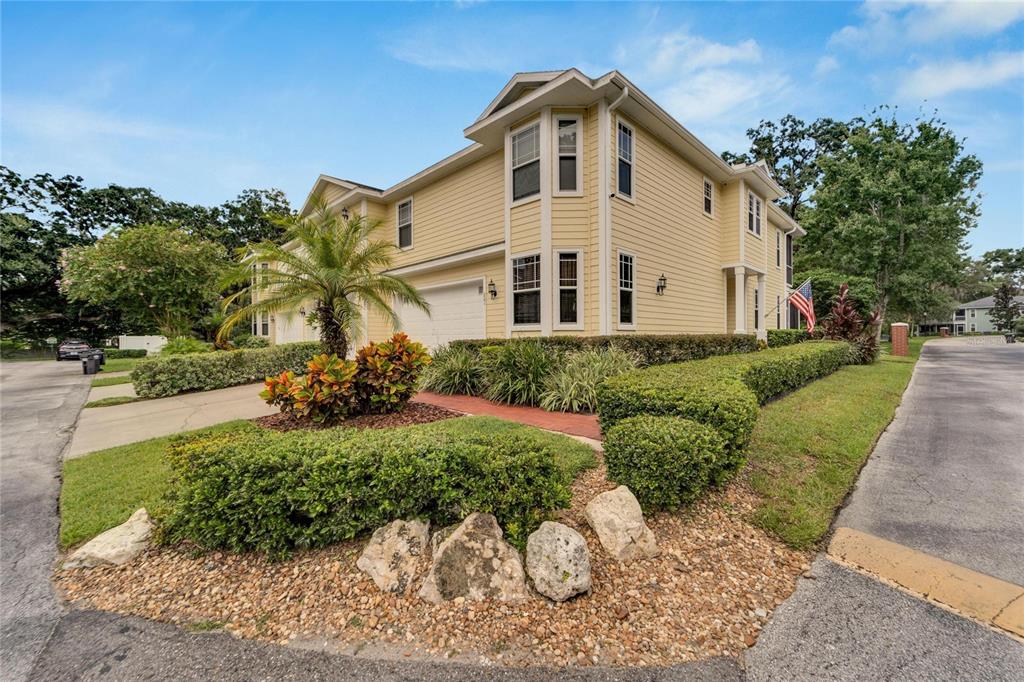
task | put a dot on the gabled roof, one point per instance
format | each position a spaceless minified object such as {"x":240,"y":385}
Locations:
{"x":987,"y":302}
{"x":519,"y":83}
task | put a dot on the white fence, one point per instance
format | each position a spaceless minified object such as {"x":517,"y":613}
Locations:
{"x":151,"y":344}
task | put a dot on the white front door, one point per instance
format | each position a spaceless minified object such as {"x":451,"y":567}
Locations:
{"x":456,"y":312}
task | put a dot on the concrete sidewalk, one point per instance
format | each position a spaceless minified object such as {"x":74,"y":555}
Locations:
{"x":106,"y":427}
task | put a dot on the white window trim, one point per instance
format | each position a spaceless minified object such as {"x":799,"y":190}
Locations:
{"x":398,"y":227}
{"x":758,"y":215}
{"x":778,"y":250}
{"x":973,"y":316}
{"x":974,"y":327}
{"x":511,"y":293}
{"x":557,"y":286}
{"x":703,"y":186}
{"x":631,"y":198}
{"x":512,"y":167}
{"x":556,"y":154}
{"x":618,"y":291}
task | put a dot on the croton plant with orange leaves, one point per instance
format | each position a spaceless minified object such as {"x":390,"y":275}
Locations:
{"x":382,"y":379}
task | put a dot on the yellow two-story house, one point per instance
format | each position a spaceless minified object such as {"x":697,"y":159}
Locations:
{"x":580,"y":206}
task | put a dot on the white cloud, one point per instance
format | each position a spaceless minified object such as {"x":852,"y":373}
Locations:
{"x":825,"y":66}
{"x":67,"y":122}
{"x":943,"y":78}
{"x":719,"y":94}
{"x":887,"y":24}
{"x":681,"y":51}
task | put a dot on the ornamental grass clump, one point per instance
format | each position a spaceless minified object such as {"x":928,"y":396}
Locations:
{"x":515,"y":372}
{"x":573,"y":388}
{"x":454,"y":369}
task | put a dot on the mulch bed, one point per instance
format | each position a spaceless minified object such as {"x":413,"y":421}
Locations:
{"x":413,"y":413}
{"x":709,"y":594}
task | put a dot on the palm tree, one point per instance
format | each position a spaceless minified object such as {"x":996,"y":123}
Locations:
{"x":334,"y":262}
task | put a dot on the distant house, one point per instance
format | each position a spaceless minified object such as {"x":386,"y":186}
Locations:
{"x":968,"y":318}
{"x":580,"y":206}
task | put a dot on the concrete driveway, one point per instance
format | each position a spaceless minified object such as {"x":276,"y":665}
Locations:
{"x":938,"y":511}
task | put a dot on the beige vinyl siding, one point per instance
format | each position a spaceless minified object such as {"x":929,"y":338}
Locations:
{"x":485,"y":270}
{"x":668,"y":233}
{"x":592,"y":189}
{"x":727,"y":213}
{"x":332,"y":192}
{"x":524,"y":228}
{"x":776,"y":284}
{"x":753,"y":250}
{"x":460,"y":212}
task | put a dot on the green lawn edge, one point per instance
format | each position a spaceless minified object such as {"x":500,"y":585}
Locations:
{"x":808,"y":447}
{"x":111,"y":381}
{"x":102,"y":489}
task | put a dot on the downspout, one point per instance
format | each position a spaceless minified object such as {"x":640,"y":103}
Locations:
{"x":606,"y":228}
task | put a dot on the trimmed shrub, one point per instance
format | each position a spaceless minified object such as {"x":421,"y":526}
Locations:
{"x":785,"y":337}
{"x":454,"y":369}
{"x":325,"y":394}
{"x":665,"y":461}
{"x":250,"y":341}
{"x":515,"y":372}
{"x":721,"y":392}
{"x":573,"y":388}
{"x":163,"y":376}
{"x":119,"y":353}
{"x":277,"y":492}
{"x":649,"y":349}
{"x":183,"y":345}
{"x":388,"y":373}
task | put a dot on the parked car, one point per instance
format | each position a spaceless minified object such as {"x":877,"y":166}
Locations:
{"x":71,"y":349}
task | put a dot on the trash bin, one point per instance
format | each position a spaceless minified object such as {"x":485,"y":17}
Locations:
{"x":90,"y":362}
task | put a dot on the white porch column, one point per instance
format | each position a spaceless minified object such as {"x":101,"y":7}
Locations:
{"x":762,"y":331}
{"x":740,"y":274}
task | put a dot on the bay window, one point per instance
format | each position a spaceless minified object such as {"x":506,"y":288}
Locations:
{"x":627,"y":276}
{"x":568,"y":145}
{"x":754,"y":207}
{"x":526,"y":162}
{"x":405,"y":224}
{"x":526,"y":290}
{"x":568,"y":287}
{"x":625,"y":155}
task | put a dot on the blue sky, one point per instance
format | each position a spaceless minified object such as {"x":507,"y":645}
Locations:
{"x":200,"y":101}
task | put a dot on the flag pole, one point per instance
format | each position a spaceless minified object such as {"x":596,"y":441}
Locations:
{"x":788,"y":296}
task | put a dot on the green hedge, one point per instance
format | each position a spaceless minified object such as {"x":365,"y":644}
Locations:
{"x":721,"y":392}
{"x":164,"y":376}
{"x":665,"y":461}
{"x":118,"y":353}
{"x":276,"y":492}
{"x":785,"y":337}
{"x":650,"y":349}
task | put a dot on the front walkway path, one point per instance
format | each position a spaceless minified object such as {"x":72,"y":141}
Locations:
{"x":105,"y":427}
{"x":584,"y":425}
{"x":939,"y":511}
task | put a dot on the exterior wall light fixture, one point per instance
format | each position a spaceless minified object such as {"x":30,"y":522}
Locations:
{"x":344,"y":212}
{"x":662,"y":285}
{"x":492,"y":289}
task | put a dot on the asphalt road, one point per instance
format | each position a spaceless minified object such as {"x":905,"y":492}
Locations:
{"x":39,"y":403}
{"x":947,"y":477}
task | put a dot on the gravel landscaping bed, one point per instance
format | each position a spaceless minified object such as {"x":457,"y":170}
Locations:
{"x":708,"y":594}
{"x":412,"y":413}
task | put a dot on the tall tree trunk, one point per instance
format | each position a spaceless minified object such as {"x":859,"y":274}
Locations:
{"x":332,"y":333}
{"x":883,"y":304}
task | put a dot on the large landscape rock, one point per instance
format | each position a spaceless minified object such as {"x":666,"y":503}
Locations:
{"x":617,"y":519}
{"x":393,"y":554}
{"x":117,"y":546}
{"x":474,"y":562}
{"x":558,"y":561}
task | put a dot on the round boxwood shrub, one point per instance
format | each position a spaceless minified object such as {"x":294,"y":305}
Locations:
{"x":666,"y":461}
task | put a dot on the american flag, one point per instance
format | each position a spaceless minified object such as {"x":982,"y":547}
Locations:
{"x":804,"y":302}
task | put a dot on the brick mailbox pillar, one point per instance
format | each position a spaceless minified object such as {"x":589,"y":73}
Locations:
{"x":900,"y":332}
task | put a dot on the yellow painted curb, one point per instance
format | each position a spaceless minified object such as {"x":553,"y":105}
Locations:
{"x":974,"y":594}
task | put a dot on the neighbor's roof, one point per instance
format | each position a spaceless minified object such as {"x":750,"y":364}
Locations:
{"x":988,"y":302}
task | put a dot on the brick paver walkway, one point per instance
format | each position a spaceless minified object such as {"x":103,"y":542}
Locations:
{"x":574,"y":424}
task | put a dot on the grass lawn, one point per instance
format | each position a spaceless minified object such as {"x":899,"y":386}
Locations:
{"x":102,"y":489}
{"x":120,"y":364}
{"x":809,"y":446}
{"x":111,"y":381}
{"x":113,"y":400}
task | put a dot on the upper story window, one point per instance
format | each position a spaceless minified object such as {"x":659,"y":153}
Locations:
{"x":405,"y":224}
{"x":526,"y":162}
{"x":264,"y":270}
{"x":625,"y":172}
{"x":568,"y":143}
{"x":526,"y":290}
{"x":778,"y":248}
{"x":627,"y":276}
{"x":265,"y":323}
{"x":754,"y":206}
{"x":959,"y":314}
{"x":568,"y":287}
{"x":973,"y":311}
{"x":709,"y":197}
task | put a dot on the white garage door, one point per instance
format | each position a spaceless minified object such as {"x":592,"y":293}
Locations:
{"x":456,"y":312}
